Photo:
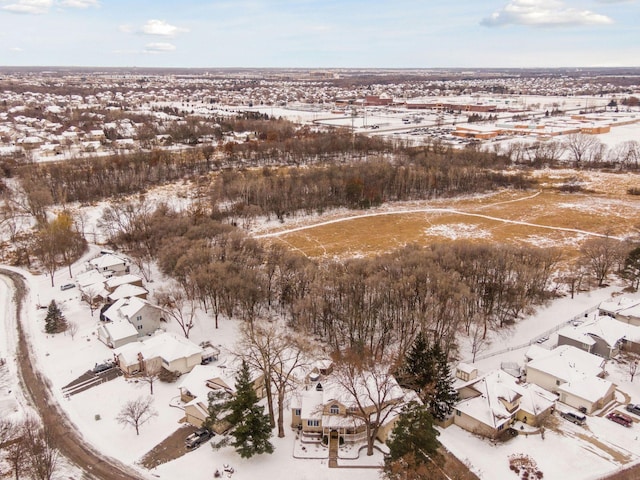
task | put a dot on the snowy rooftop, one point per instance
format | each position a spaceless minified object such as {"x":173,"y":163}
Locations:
{"x":589,"y":388}
{"x":119,"y":330}
{"x":568,"y":363}
{"x":126,"y":291}
{"x":106,"y":261}
{"x":115,"y":282}
{"x":166,"y":345}
{"x":487,"y":407}
{"x":615,"y":304}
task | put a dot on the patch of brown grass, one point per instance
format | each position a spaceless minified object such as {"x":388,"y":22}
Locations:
{"x":611,"y":211}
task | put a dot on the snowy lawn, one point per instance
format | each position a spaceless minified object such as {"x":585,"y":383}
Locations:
{"x":602,"y":446}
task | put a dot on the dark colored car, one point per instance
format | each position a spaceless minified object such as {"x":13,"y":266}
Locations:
{"x":195,"y":439}
{"x":102,"y":367}
{"x":633,"y":408}
{"x":574,"y":417}
{"x":621,"y":418}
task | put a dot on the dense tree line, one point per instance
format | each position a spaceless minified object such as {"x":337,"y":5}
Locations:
{"x":284,"y":192}
{"x":371,"y":304}
{"x":270,"y":191}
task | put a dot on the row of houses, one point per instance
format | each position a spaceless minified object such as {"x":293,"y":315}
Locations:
{"x":492,"y":402}
{"x":573,"y":374}
{"x":131,"y":325}
{"x":320,"y":406}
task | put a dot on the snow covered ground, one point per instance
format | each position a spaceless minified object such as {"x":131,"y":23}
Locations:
{"x":62,"y":359}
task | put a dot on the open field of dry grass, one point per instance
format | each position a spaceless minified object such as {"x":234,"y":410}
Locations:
{"x":544,"y":217}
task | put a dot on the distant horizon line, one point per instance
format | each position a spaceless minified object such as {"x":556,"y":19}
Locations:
{"x":318,"y":68}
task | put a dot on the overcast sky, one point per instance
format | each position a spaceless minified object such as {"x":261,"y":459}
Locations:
{"x":320,"y":33}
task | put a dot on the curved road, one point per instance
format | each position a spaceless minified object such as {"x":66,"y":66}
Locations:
{"x":37,"y":390}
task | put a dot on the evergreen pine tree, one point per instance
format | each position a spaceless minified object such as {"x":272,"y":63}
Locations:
{"x":218,"y":404}
{"x":251,"y":427}
{"x":417,"y":371}
{"x":245,"y":397}
{"x":426,"y":371}
{"x":251,"y":435}
{"x":54,"y":321}
{"x":413,"y":442}
{"x":444,"y":396}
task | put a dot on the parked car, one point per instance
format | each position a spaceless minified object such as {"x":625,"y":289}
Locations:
{"x":633,"y":408}
{"x":67,"y":286}
{"x":195,"y":439}
{"x":102,"y":367}
{"x":621,"y":418}
{"x":576,"y":418}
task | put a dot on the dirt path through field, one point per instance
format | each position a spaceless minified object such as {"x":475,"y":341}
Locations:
{"x":66,"y":437}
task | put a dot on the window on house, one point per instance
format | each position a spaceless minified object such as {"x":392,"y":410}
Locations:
{"x":500,"y":427}
{"x":557,"y":382}
{"x":334,"y":410}
{"x":458,"y":412}
{"x":296,"y":412}
{"x":139,"y":327}
{"x":139,"y":318}
{"x":313,"y":423}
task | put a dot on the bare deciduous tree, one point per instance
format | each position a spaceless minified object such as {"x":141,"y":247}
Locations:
{"x":90,"y":295}
{"x":631,"y":364}
{"x":72,"y":328}
{"x":137,"y":412}
{"x":29,"y":450}
{"x":478,"y":341}
{"x":601,"y":255}
{"x":150,"y":374}
{"x":178,"y":305}
{"x":271,"y":349}
{"x":582,"y":146}
{"x":42,"y":455}
{"x":373,"y":392}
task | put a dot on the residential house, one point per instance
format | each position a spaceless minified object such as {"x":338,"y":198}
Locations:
{"x":492,"y":402}
{"x":587,"y":394}
{"x":195,"y":391}
{"x":622,"y":308}
{"x":570,"y":371}
{"x":127,"y":291}
{"x":117,"y":334}
{"x":166,"y":350}
{"x":127,"y":279}
{"x":110,"y":264}
{"x":603,"y":336}
{"x":326,"y":409}
{"x":92,"y":287}
{"x":144,"y":316}
{"x":204,"y":380}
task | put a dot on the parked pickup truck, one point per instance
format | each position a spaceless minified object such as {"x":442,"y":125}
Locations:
{"x":195,"y":439}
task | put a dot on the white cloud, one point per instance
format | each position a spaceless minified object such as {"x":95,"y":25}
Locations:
{"x":161,"y":28}
{"x":16,"y":49}
{"x":79,"y":3}
{"x":543,"y":13}
{"x":159,"y":47}
{"x":29,"y":7}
